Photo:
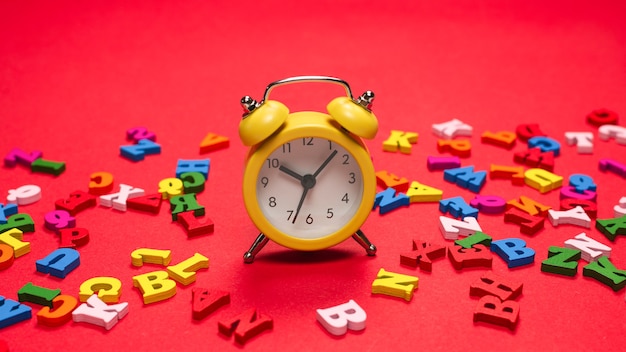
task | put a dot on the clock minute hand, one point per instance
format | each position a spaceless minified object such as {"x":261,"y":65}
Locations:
{"x":308,"y":182}
{"x":330,"y":157}
{"x":300,"y":205}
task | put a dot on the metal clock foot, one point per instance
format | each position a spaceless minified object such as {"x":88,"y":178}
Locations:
{"x":257,"y":245}
{"x":360,"y":238}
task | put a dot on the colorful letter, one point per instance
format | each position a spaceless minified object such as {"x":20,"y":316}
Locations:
{"x":338,"y":319}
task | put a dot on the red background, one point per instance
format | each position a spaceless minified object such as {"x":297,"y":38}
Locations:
{"x":75,"y":76}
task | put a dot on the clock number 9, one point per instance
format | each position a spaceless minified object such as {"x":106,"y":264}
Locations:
{"x":265,"y":181}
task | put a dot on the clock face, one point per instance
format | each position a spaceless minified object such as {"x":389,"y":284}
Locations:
{"x":309,"y":187}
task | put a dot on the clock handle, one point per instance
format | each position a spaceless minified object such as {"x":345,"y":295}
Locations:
{"x":364,"y":100}
{"x":299,"y":79}
{"x":355,"y":115}
{"x":262,"y":119}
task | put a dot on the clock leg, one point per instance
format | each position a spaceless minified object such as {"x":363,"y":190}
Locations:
{"x":360,"y":238}
{"x":257,"y":245}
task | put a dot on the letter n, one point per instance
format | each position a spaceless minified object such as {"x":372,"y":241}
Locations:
{"x":246,"y":325}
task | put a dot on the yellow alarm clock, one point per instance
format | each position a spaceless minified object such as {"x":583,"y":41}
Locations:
{"x":309,"y":182}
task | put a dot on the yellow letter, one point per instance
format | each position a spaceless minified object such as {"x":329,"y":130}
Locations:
{"x":394,"y":284}
{"x":13,"y":238}
{"x":109,"y":289}
{"x":542,"y":180}
{"x":155,"y":286}
{"x":420,"y":193}
{"x":185,"y":271}
{"x":170,"y":187}
{"x":152,"y":256}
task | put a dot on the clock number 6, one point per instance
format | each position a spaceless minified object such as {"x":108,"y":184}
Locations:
{"x":309,"y":218}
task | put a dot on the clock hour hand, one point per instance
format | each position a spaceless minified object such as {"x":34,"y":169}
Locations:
{"x":290,"y":172}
